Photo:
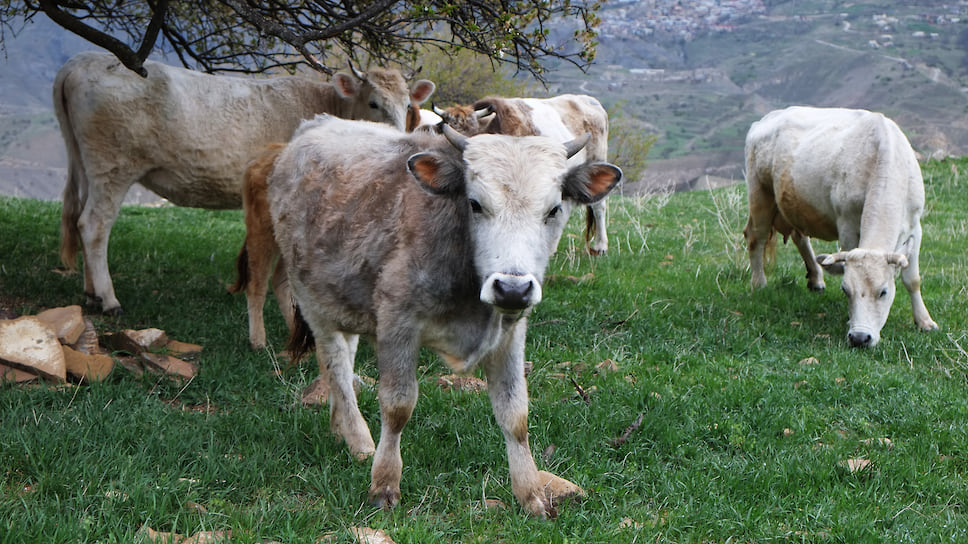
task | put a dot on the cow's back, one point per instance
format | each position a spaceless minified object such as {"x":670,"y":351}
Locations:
{"x":183,"y":134}
{"x":584,"y":114}
{"x":385,"y":236}
{"x":822,"y":165}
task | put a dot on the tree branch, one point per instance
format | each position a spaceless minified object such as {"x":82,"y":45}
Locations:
{"x":133,"y":60}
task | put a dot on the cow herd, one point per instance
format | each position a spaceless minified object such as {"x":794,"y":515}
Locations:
{"x":420,"y":228}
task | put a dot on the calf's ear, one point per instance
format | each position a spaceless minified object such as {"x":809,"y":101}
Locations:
{"x":590,"y":182}
{"x":435,"y":174}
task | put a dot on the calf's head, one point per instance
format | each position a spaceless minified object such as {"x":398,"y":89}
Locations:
{"x":869,"y":285}
{"x":513,"y":189}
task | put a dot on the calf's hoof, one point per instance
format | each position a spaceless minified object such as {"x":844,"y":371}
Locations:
{"x":557,"y":489}
{"x":553,"y":491}
{"x":384,"y":497}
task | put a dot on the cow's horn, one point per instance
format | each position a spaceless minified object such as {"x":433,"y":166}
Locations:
{"x":483,"y":112}
{"x":359,"y":75}
{"x":576,"y":145}
{"x":438,"y":110}
{"x":839,"y":257}
{"x":455,"y":138}
{"x":897,"y":259}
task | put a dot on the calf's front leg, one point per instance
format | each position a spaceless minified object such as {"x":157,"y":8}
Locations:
{"x":397,"y":395}
{"x":539,"y":492}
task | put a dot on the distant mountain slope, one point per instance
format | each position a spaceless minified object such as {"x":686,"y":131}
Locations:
{"x":694,"y":73}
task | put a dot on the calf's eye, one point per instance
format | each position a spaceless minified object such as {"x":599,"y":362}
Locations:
{"x":374,"y":105}
{"x":554,"y":212}
{"x":883,"y":293}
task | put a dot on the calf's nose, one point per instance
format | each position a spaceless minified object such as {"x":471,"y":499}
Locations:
{"x":859,"y":339}
{"x":513,"y":294}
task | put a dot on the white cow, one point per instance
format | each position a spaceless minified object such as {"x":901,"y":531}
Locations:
{"x":847,"y":175}
{"x":185,"y":135}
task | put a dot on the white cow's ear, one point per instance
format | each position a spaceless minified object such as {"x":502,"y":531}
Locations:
{"x":435,"y":174}
{"x":346,"y":85}
{"x":421,"y":91}
{"x":590,"y":182}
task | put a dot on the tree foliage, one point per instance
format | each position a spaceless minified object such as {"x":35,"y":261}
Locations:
{"x":464,"y":77}
{"x":256,"y":36}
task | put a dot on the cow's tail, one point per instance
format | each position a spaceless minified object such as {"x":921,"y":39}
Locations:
{"x":769,"y":245}
{"x":241,"y":270}
{"x":591,"y":230}
{"x":301,"y":339}
{"x":75,"y":190}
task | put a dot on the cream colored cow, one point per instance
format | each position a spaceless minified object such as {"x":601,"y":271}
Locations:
{"x":846,"y":175}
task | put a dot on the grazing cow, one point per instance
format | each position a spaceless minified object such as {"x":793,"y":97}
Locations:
{"x":561,"y":117}
{"x":424,"y":240}
{"x":186,"y":136}
{"x":846,"y":175}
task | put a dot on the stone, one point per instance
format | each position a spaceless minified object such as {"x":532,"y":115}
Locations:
{"x":15,"y":375}
{"x":66,"y":322}
{"x":87,"y":367}
{"x":88,"y":341}
{"x":183,"y":350}
{"x":136,"y":341}
{"x":316,"y":393}
{"x":169,"y":365}
{"x":29,"y":344}
{"x":147,"y":339}
{"x":467,"y":384}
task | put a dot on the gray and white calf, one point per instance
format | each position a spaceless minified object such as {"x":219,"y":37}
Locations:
{"x":187,"y":136}
{"x":425,"y":240}
{"x":847,"y":175}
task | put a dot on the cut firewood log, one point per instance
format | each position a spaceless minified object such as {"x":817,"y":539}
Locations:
{"x":29,"y":344}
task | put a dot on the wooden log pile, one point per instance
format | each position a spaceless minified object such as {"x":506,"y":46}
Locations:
{"x":61,"y":345}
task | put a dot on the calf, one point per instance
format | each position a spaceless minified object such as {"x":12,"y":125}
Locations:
{"x":421,"y":240}
{"x":846,"y":175}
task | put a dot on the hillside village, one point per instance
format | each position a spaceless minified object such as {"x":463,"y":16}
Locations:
{"x":694,"y":74}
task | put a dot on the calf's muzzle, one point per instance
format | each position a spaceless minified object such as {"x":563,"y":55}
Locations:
{"x":511,"y":292}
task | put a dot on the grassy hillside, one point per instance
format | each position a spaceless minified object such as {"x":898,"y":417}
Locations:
{"x":743,"y":438}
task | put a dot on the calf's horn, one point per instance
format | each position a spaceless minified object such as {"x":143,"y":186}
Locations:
{"x":484,"y":112}
{"x":438,"y":110}
{"x":576,"y":145}
{"x":455,"y":138}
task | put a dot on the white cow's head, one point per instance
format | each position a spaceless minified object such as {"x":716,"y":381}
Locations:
{"x":513,"y":189}
{"x":869,"y":285}
{"x":382,"y":96}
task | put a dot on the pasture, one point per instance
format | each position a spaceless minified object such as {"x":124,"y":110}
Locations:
{"x":754,"y":410}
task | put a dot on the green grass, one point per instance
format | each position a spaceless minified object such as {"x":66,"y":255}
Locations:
{"x":739,"y":441}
